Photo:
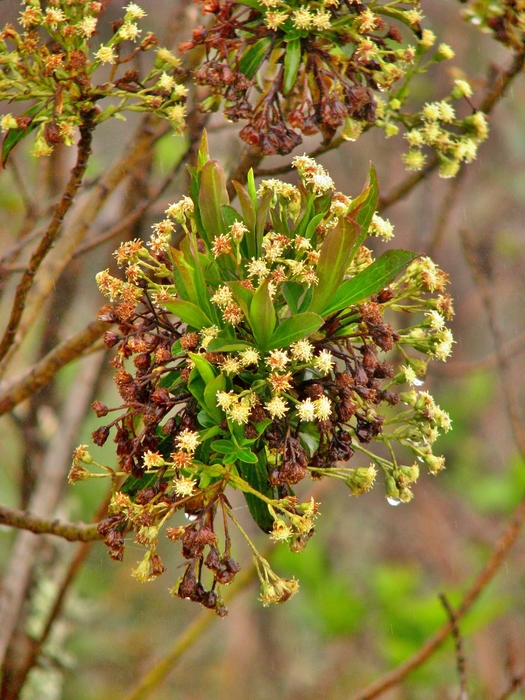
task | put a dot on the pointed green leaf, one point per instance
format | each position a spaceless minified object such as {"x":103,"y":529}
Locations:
{"x":188,"y":313}
{"x":262,"y":315}
{"x":262,"y":214}
{"x":364,"y":207}
{"x":243,"y":297}
{"x":371,"y":280}
{"x":204,"y":152}
{"x":292,"y":62}
{"x":225,"y":345}
{"x":205,"y":368}
{"x":333,"y":260}
{"x":253,"y":57}
{"x":210,"y":396}
{"x":292,"y":292}
{"x":197,"y":386}
{"x":212,"y":195}
{"x":252,"y":190}
{"x":257,"y":477}
{"x":14,"y":136}
{"x":294,"y":328}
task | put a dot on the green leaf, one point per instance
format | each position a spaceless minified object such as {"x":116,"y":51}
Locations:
{"x":14,"y":136}
{"x":249,"y":216}
{"x":230,"y":215}
{"x":204,"y":153}
{"x":243,"y":297}
{"x":371,"y":280}
{"x":262,"y":214}
{"x":292,"y":61}
{"x":210,"y":396}
{"x":262,"y":315}
{"x":363,"y":207}
{"x":224,"y":447}
{"x":204,"y":367}
{"x":212,"y":195}
{"x":253,"y":57}
{"x":252,"y":190}
{"x":197,"y":386}
{"x":188,"y":313}
{"x":334,"y":258}
{"x":225,"y":345}
{"x":313,"y":225}
{"x":247,"y":456}
{"x":257,"y":477}
{"x":183,"y":275}
{"x":292,"y":292}
{"x":293,"y":329}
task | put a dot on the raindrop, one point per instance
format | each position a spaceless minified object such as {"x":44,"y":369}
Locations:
{"x":419,"y":382}
{"x":393,"y":501}
{"x":420,"y":458}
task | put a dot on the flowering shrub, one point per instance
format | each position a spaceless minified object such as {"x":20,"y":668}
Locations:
{"x":51,"y":64}
{"x":321,"y":66}
{"x":257,"y":354}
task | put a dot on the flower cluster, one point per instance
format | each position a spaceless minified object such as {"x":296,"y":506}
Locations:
{"x":454,"y":140}
{"x":50,"y":61}
{"x":258,"y":354}
{"x":297,"y":67}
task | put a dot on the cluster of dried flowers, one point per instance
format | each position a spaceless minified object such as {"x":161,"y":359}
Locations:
{"x":50,"y":62}
{"x":257,"y":354}
{"x":293,"y":68}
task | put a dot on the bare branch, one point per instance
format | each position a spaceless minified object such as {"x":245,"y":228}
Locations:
{"x":393,"y":678}
{"x":40,"y":374}
{"x":52,"y":232}
{"x":460,"y":656}
{"x":507,"y":380}
{"x":73,"y":532}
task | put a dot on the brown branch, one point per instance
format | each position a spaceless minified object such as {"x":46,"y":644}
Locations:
{"x":393,"y":678}
{"x":32,"y":647}
{"x":41,"y":373}
{"x":460,"y":656}
{"x":507,"y":379}
{"x":132,"y":216}
{"x":73,"y":532}
{"x":52,"y":232}
{"x":502,"y":83}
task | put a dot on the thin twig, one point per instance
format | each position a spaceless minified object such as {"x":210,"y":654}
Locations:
{"x":132,"y":216}
{"x":507,"y":380}
{"x":393,"y":678}
{"x":42,"y":373}
{"x":446,"y":210}
{"x":51,"y":480}
{"x":83,"y":216}
{"x":460,"y":656}
{"x":52,"y":232}
{"x":73,"y":532}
